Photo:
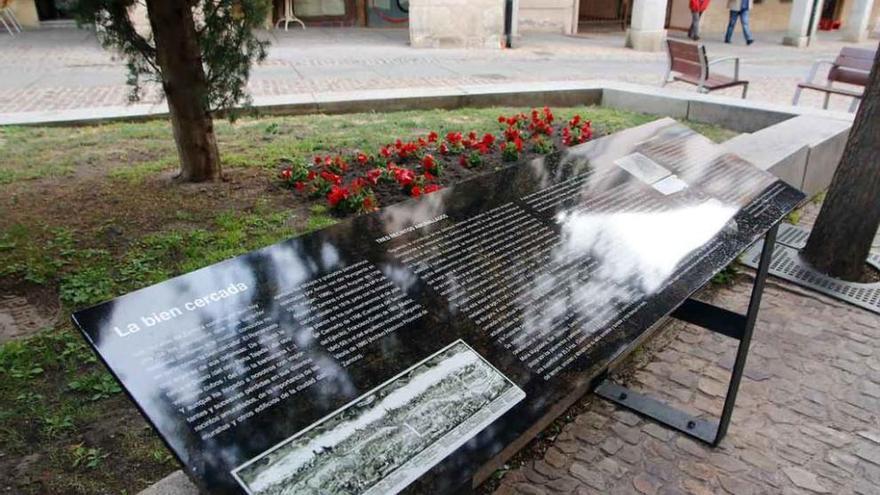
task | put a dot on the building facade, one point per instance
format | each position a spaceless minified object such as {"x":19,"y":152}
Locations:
{"x":341,"y":13}
{"x":487,"y":23}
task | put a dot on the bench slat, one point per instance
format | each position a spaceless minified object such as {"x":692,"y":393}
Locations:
{"x":826,"y":89}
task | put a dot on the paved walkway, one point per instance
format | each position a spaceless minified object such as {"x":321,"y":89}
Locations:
{"x":63,"y":69}
{"x":806,"y":420}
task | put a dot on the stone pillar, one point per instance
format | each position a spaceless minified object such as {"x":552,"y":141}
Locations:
{"x":456,"y":23}
{"x":646,"y":31}
{"x":799,"y":20}
{"x":856,"y":27}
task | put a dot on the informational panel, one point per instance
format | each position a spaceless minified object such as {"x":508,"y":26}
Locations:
{"x":398,"y":351}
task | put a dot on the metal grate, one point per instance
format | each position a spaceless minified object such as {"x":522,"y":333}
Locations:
{"x":796,"y":237}
{"x":787,"y":264}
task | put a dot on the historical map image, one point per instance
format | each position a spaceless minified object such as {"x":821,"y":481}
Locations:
{"x":391,"y":435}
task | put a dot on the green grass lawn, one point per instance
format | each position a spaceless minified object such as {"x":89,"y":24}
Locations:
{"x":90,"y":213}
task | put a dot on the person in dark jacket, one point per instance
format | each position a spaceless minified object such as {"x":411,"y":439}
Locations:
{"x":739,"y":9}
{"x":697,"y":9}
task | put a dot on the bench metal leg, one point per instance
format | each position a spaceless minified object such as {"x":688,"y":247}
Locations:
{"x":745,"y":90}
{"x":718,"y":320}
{"x":827,"y":99}
{"x":14,"y":19}
{"x":797,"y":96}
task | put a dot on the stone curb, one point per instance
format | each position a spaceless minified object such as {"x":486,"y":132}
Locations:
{"x":175,"y":483}
{"x":737,"y":114}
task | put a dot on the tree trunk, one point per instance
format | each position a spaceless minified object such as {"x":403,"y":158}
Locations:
{"x":186,"y":88}
{"x":841,"y":239}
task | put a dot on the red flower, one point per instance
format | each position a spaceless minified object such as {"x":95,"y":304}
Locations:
{"x":299,"y":185}
{"x":444,"y":149}
{"x":462,"y":160}
{"x":336,"y":195}
{"x":357,"y":185}
{"x":518,"y":143}
{"x":362,"y":158}
{"x":488,"y":139}
{"x":429,"y":176}
{"x":483,"y":148}
{"x":285,"y":174}
{"x":472,"y":135}
{"x":331,"y":177}
{"x":432,"y":137}
{"x":404,"y":176}
{"x":311,"y":175}
{"x":432,"y":188}
{"x":502,"y":119}
{"x":428,"y":162}
{"x":317,"y":160}
{"x":585,"y":134}
{"x":368,"y":204}
{"x":415,"y":192}
{"x":374,"y":175}
{"x":384,"y":151}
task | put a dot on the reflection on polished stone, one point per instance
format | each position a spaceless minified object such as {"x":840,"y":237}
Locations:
{"x":425,"y":337}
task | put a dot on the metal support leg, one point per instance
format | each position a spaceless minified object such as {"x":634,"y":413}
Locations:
{"x":289,"y":16}
{"x":719,"y":320}
{"x":745,"y":342}
{"x":14,"y":19}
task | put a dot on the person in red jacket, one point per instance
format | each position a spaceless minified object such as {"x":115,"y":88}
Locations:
{"x":697,"y":9}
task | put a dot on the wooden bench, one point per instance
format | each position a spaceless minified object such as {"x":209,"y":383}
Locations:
{"x":688,"y":63}
{"x":852,"y":66}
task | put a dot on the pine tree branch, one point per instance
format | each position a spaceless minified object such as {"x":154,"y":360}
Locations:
{"x":126,"y":34}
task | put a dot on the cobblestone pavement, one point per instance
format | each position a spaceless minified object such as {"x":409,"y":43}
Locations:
{"x":806,"y":419}
{"x":55,"y":69}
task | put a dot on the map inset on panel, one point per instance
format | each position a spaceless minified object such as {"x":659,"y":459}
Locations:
{"x":391,"y":435}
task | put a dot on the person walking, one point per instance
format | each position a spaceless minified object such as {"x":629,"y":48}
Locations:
{"x":739,"y":9}
{"x":697,"y":9}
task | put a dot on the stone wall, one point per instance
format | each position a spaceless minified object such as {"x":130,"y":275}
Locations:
{"x":456,"y":23}
{"x":555,"y":16}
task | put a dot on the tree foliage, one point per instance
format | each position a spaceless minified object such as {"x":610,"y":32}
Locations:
{"x":225,"y":35}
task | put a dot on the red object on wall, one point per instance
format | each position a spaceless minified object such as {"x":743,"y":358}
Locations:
{"x":826,"y":24}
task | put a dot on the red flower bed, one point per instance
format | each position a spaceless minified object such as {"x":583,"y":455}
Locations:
{"x":360,"y":182}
